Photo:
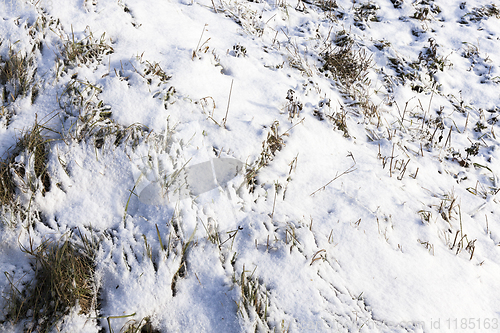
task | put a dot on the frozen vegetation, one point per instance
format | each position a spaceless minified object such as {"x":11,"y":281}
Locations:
{"x":249,"y":166}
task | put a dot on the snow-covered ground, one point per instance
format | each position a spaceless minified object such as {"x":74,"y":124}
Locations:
{"x":310,"y":166}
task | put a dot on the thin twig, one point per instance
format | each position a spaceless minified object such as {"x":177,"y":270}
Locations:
{"x":466,"y":122}
{"x":351,"y":169}
{"x":449,"y":137}
{"x":228,"y":101}
{"x":404,"y":169}
{"x":415,"y":175}
{"x":198,"y":45}
{"x":314,"y":256}
{"x":392,"y":158}
{"x":293,"y":126}
{"x":215,"y":9}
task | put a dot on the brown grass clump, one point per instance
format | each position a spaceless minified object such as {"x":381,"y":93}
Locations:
{"x":347,"y":64}
{"x":7,"y":187}
{"x":63,"y":278}
{"x":17,"y":76}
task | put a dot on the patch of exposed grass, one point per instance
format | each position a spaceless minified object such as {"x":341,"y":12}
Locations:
{"x":84,"y":51}
{"x":37,"y":147}
{"x":153,"y":68}
{"x":480,"y":13}
{"x":17,"y":76}
{"x":330,"y":7}
{"x":293,"y":107}
{"x":243,"y":14}
{"x":181,"y":271}
{"x":156,"y":77}
{"x":365,"y":12}
{"x":273,"y":143}
{"x":63,"y":278}
{"x":420,"y":74}
{"x":339,"y":119}
{"x":86,"y":117}
{"x":433,"y":61}
{"x":425,"y":10}
{"x":298,"y":60}
{"x":254,"y":302}
{"x":30,"y":170}
{"x":7,"y":185}
{"x":347,"y":64}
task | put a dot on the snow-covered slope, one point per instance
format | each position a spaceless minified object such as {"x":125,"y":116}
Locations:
{"x":319,"y":166}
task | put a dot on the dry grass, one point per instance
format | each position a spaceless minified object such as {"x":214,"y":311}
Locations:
{"x":479,"y":13}
{"x":254,"y":302}
{"x":36,"y":144}
{"x":85,"y":51}
{"x":7,"y":186}
{"x":347,"y":64}
{"x":273,"y":143}
{"x":15,"y":75}
{"x":181,"y":271}
{"x":87,"y":117}
{"x":63,"y":278}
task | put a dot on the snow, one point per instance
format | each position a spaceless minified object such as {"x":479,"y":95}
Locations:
{"x":374,"y":250}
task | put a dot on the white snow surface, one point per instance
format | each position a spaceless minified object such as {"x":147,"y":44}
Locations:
{"x":404,"y":239}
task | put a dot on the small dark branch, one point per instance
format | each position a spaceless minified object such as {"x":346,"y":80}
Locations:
{"x":449,"y":137}
{"x":471,"y":247}
{"x":392,"y":158}
{"x":415,"y":175}
{"x":456,"y":235}
{"x":404,"y":169}
{"x":466,"y":122}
